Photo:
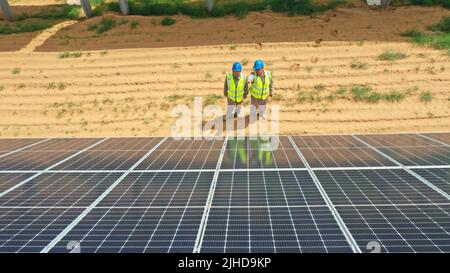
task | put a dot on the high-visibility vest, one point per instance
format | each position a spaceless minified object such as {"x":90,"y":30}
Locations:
{"x":260,"y":89}
{"x":235,"y":90}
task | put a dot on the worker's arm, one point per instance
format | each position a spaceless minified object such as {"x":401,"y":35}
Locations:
{"x":246,"y":89}
{"x":225,"y":88}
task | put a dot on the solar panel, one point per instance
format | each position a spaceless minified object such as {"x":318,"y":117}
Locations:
{"x":184,"y":154}
{"x":327,"y":141}
{"x":10,"y":144}
{"x":161,"y":189}
{"x":135,"y":230}
{"x":376,"y":187}
{"x":63,"y":144}
{"x":442,"y":137}
{"x":438,"y":177}
{"x":32,"y":160}
{"x":411,"y":228}
{"x":7,"y":180}
{"x":166,"y":195}
{"x":31,"y":229}
{"x":397,"y":140}
{"x":419,"y":156}
{"x":270,"y":211}
{"x":60,"y":189}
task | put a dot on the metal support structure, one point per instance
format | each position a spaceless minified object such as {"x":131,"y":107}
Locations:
{"x":124,"y":7}
{"x":86,"y":8}
{"x":209,"y":5}
{"x":4,"y":6}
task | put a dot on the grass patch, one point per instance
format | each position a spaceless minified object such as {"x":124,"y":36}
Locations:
{"x":391,"y":55}
{"x":212,"y":99}
{"x":439,"y":40}
{"x":61,"y":86}
{"x":168,"y":21}
{"x":105,"y":24}
{"x":16,"y":70}
{"x":425,"y":96}
{"x":2,"y":87}
{"x":394,"y":96}
{"x":26,"y":26}
{"x":360,"y":92}
{"x":359,"y":65}
{"x":134,"y":24}
{"x":68,"y":54}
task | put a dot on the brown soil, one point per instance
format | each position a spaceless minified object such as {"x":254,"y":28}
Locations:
{"x":344,"y":24}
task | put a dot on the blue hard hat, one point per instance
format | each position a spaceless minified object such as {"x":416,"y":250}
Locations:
{"x":237,"y":67}
{"x":259,"y":64}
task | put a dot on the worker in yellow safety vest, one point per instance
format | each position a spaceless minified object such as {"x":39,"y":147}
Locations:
{"x":261,"y":88}
{"x":235,"y":90}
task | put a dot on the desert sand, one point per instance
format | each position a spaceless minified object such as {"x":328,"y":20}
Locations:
{"x":131,"y":91}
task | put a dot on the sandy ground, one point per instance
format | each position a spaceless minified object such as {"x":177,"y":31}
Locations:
{"x":131,"y":91}
{"x":344,"y":24}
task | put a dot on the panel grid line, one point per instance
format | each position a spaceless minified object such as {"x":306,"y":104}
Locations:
{"x":97,"y":201}
{"x":337,"y":217}
{"x":201,"y":231}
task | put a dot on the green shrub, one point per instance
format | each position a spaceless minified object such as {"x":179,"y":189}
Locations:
{"x":168,"y":21}
{"x":394,"y":96}
{"x":426,"y":96}
{"x":361,"y":92}
{"x":105,"y":25}
{"x":390,"y":55}
{"x":442,"y":26}
{"x":134,"y":24}
{"x":19,"y":27}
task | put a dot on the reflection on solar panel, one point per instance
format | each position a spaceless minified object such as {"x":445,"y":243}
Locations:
{"x":334,"y":193}
{"x":257,"y":153}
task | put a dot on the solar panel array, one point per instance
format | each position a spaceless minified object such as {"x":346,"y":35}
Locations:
{"x":324,"y":193}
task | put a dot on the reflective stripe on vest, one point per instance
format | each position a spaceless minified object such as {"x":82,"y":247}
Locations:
{"x":260,"y":89}
{"x":235,"y":90}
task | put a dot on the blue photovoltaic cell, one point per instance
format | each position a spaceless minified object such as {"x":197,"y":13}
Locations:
{"x":32,"y":160}
{"x":419,"y":156}
{"x":31,"y":229}
{"x":270,"y":211}
{"x":161,"y":189}
{"x":60,"y":189}
{"x":438,"y":177}
{"x":264,"y":200}
{"x":376,"y":187}
{"x":8,"y":180}
{"x":111,"y":154}
{"x":137,"y":230}
{"x":424,"y":228}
